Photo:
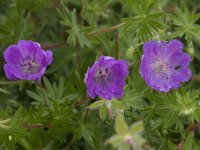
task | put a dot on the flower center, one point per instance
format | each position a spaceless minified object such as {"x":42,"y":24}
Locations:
{"x":103,"y":73}
{"x":29,"y":65}
{"x":160,"y":66}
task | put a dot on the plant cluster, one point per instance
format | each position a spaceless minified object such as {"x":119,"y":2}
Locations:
{"x":99,"y":74}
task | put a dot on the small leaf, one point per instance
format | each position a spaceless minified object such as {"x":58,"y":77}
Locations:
{"x":115,"y":140}
{"x":60,"y":87}
{"x":137,"y":127}
{"x":4,"y":91}
{"x":124,"y":147}
{"x":103,"y":111}
{"x":116,"y":104}
{"x":139,"y":140}
{"x":47,"y":84}
{"x":96,"y":104}
{"x":171,"y":146}
{"x":34,"y":95}
{"x":25,"y":144}
{"x":120,"y":126}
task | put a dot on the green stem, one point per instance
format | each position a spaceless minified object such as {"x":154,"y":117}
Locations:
{"x":9,"y":82}
{"x":86,"y":114}
{"x":107,"y":29}
{"x":43,"y":96}
{"x":93,"y":33}
{"x":35,"y":126}
{"x":116,"y":46}
{"x":196,"y":78}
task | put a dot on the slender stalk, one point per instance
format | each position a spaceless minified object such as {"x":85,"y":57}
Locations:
{"x":35,"y":126}
{"x":110,"y":111}
{"x":43,"y":96}
{"x":9,"y":82}
{"x":93,"y":33}
{"x":86,"y":114}
{"x":69,"y":144}
{"x":104,"y":30}
{"x":54,"y":45}
{"x":191,"y":127}
{"x":196,"y":78}
{"x":116,"y":46}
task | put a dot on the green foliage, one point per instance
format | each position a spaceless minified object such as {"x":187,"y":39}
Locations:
{"x":127,"y":138}
{"x":57,"y":113}
{"x":145,"y":23}
{"x":185,"y":25}
{"x":76,"y":34}
{"x":112,"y":108}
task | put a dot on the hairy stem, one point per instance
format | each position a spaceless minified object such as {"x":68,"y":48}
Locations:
{"x":104,"y":30}
{"x":116,"y":46}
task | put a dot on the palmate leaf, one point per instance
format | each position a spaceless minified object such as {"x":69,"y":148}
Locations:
{"x":146,"y":23}
{"x":11,"y":129}
{"x":76,"y":34}
{"x":139,"y":7}
{"x":104,"y":106}
{"x":52,"y":92}
{"x":127,"y":137}
{"x":120,"y":126}
{"x":185,"y":25}
{"x":144,"y":26}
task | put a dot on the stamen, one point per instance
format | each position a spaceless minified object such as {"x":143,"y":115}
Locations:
{"x":106,"y":70}
{"x":100,"y":72}
{"x":103,"y":74}
{"x":29,"y":65}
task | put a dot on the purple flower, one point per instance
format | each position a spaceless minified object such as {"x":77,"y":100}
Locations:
{"x":106,"y":78}
{"x":26,"y":61}
{"x":164,"y":65}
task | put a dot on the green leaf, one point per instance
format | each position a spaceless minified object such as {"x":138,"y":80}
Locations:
{"x":48,"y":85}
{"x":103,"y":111}
{"x":116,"y":104}
{"x":60,"y":87}
{"x":189,"y":142}
{"x":171,"y":146}
{"x":25,"y":144}
{"x":4,"y":91}
{"x":34,"y":95}
{"x":96,"y":104}
{"x":137,"y":128}
{"x":120,"y":126}
{"x":115,"y":140}
{"x":124,"y":147}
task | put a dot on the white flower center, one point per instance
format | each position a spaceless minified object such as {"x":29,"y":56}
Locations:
{"x":160,"y":66}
